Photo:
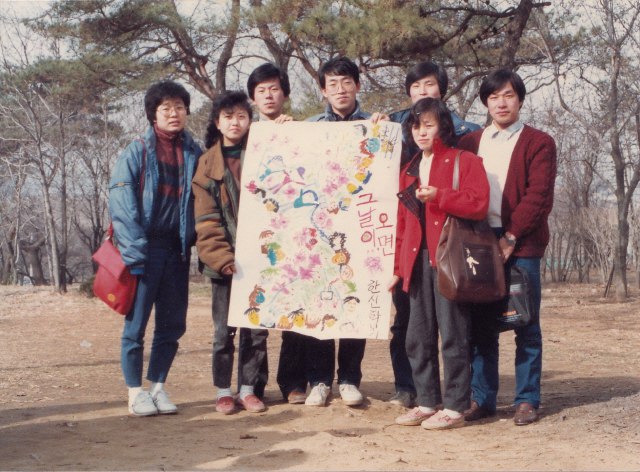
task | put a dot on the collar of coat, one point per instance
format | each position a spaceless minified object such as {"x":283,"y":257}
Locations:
{"x":213,"y":161}
{"x":413,"y":168}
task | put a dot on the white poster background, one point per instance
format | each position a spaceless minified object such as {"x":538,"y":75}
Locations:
{"x":316,"y":228}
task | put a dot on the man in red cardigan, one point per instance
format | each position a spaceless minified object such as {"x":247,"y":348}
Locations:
{"x":520,"y":162}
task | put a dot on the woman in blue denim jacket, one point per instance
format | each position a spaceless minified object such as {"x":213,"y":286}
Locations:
{"x":151,"y":208}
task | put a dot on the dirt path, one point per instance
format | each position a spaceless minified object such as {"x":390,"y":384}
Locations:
{"x":62,"y":400}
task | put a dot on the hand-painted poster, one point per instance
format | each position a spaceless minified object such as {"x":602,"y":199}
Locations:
{"x":316,"y":231}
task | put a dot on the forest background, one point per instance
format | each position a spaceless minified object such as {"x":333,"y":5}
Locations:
{"x":73,"y":74}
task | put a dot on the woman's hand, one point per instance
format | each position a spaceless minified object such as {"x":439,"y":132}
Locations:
{"x":426,"y":194}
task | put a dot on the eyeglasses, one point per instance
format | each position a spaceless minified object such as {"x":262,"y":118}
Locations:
{"x":167,"y":110}
{"x":346,"y":85}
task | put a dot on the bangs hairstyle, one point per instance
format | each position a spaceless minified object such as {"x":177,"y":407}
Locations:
{"x":159,"y":92}
{"x":446,"y":131}
{"x":225,"y":101}
{"x":498,"y":79}
{"x":426,"y":69}
{"x":268,"y":71}
{"x":338,"y":66}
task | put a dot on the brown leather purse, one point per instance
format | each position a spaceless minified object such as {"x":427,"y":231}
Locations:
{"x":468,"y":258}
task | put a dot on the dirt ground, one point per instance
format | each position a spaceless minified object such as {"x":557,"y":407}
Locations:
{"x":62,"y":400}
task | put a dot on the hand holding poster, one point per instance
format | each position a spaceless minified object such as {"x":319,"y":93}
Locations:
{"x":316,"y":229}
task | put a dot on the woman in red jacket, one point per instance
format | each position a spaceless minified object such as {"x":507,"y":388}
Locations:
{"x":426,"y":198}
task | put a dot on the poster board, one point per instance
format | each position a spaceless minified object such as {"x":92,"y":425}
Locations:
{"x":316,"y":228}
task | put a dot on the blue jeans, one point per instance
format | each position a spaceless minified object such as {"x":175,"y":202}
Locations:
{"x":403,"y":378}
{"x":165,"y":284}
{"x":485,"y":348}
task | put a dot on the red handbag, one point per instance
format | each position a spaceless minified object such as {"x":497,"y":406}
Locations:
{"x":113,"y":283}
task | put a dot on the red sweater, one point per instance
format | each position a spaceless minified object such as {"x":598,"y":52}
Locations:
{"x":527,"y":197}
{"x":470,"y":201}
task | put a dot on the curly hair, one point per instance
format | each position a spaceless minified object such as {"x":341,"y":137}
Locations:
{"x":159,"y":92}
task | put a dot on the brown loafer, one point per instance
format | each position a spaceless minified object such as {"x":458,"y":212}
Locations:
{"x":477,"y":412}
{"x":225,"y":405}
{"x":525,"y":414}
{"x":252,"y":404}
{"x":296,"y":397}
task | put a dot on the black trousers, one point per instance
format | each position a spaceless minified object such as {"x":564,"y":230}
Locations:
{"x":305,"y":359}
{"x":252,"y":346}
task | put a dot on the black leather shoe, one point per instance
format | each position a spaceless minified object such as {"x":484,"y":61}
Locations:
{"x":525,"y":414}
{"x":477,"y":412}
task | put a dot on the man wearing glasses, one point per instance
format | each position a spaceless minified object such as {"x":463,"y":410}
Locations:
{"x":340,"y":84}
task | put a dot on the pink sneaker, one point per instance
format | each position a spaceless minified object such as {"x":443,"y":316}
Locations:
{"x":443,"y":421}
{"x":414,"y":417}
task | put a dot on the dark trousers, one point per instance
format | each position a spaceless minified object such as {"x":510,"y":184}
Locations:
{"x":306,"y":359}
{"x":403,"y":378}
{"x":165,"y":285}
{"x":293,"y":363}
{"x":252,"y":346}
{"x":350,"y":355}
{"x":432,"y":313}
{"x":263,"y":370}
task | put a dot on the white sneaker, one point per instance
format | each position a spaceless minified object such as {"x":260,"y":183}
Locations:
{"x":163,"y":404}
{"x":318,"y":395}
{"x":350,"y":394}
{"x":143,"y":405}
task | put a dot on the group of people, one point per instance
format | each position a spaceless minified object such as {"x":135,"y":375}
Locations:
{"x":166,"y":195}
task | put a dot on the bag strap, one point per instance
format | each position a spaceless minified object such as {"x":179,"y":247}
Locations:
{"x":142,"y":167}
{"x":456,"y":172}
{"x":140,"y":184}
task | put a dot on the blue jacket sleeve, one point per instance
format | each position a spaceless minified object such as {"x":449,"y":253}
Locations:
{"x":124,"y":206}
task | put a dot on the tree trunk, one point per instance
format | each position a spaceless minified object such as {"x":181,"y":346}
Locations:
{"x":62,"y":197}
{"x":515,"y":28}
{"x":31,"y":252}
{"x":227,"y":50}
{"x":53,"y":240}
{"x":620,"y":288}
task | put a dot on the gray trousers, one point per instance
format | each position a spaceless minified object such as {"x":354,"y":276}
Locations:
{"x":252,"y":347}
{"x":430,"y":312}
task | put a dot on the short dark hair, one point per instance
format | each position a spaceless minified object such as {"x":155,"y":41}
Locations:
{"x":224,"y":101}
{"x":339,"y":66}
{"x":497,"y":79}
{"x":159,"y":92}
{"x":438,"y":109}
{"x":265,"y":72}
{"x":425,"y":69}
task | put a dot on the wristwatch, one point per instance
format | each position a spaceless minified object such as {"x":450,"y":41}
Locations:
{"x":510,"y":239}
